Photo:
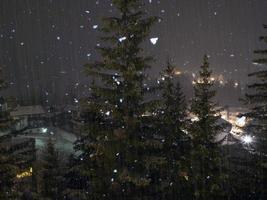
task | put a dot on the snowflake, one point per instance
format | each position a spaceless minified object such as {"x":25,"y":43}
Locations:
{"x":154,"y":40}
{"x":122,"y":39}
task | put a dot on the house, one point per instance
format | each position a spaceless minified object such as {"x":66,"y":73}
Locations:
{"x":29,"y":116}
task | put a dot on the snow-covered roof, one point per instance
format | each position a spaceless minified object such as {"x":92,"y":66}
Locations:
{"x":220,"y":137}
{"x":28,"y":110}
{"x":4,"y":132}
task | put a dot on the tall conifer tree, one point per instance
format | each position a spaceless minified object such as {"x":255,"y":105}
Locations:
{"x":118,"y":147}
{"x":256,"y":100}
{"x":8,"y":169}
{"x":205,"y":160}
{"x":52,"y":174}
{"x":172,"y":128}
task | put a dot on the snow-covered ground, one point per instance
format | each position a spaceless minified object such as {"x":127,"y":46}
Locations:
{"x":63,"y":140}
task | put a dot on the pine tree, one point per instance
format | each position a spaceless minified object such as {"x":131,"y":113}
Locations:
{"x":51,"y":173}
{"x":119,"y":147}
{"x":172,"y":128}
{"x":174,"y":108}
{"x":8,"y":170}
{"x":256,"y":101}
{"x":86,"y":169}
{"x":205,"y":174}
{"x":7,"y":174}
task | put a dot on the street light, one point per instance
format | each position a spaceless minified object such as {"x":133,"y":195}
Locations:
{"x":44,"y":130}
{"x":247,"y":139}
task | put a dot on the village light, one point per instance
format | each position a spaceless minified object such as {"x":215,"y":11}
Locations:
{"x":44,"y":130}
{"x":247,"y":139}
{"x":241,"y":122}
{"x":24,"y":174}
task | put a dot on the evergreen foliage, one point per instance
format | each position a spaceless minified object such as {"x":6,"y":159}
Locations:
{"x":8,"y":170}
{"x":171,"y":127}
{"x":256,"y":100}
{"x":52,"y":178}
{"x":206,"y":178}
{"x":124,"y":152}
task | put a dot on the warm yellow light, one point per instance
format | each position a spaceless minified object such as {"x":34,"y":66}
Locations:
{"x":25,"y":174}
{"x":177,"y":72}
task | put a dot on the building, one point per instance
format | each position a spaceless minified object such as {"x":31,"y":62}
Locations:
{"x":29,"y":117}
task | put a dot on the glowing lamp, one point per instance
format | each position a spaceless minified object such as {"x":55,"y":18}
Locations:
{"x":247,"y":139}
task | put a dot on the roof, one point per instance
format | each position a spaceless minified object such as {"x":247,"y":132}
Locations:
{"x":4,"y":133}
{"x":28,"y":110}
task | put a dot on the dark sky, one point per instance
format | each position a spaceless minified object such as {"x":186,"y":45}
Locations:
{"x":45,"y":43}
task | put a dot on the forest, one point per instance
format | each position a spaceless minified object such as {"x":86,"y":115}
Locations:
{"x":143,"y":141}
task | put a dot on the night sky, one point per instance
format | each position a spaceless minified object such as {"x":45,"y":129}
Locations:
{"x":45,"y":43}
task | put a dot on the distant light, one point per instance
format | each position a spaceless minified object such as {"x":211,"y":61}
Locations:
{"x":212,"y":79}
{"x":95,"y":26}
{"x":241,"y":122}
{"x":255,"y":63}
{"x":177,"y":72}
{"x":247,"y":139}
{"x":44,"y":130}
{"x":24,"y":174}
{"x":194,"y":119}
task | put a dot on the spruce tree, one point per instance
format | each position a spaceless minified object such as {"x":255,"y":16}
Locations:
{"x":173,"y":113}
{"x":84,"y":177}
{"x":8,"y":170}
{"x":205,"y":174}
{"x":256,"y":100}
{"x":119,"y":148}
{"x":52,"y":180}
{"x":171,"y":127}
{"x":7,"y":174}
